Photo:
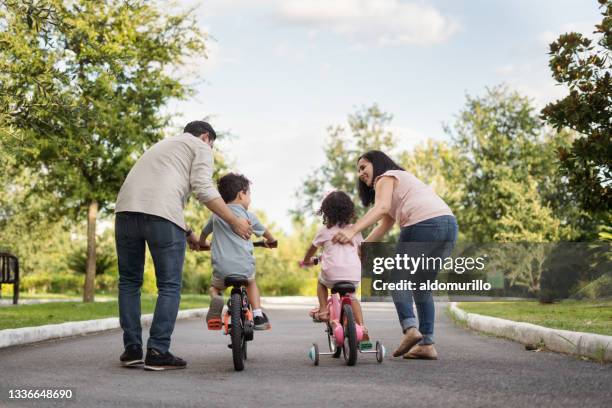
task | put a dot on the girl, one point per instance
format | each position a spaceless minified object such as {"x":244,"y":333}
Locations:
{"x":339,"y":263}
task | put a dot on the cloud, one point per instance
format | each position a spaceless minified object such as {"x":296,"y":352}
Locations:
{"x":377,"y":22}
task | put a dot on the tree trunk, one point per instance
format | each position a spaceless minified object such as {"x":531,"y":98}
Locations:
{"x":90,"y":276}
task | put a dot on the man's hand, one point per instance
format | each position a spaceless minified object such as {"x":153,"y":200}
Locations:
{"x":193,"y":242}
{"x":242,"y":227}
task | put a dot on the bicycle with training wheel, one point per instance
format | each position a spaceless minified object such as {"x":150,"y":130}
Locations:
{"x":344,"y":335}
{"x":238,"y":319}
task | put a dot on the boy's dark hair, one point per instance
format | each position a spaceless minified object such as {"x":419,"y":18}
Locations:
{"x":231,"y":184}
{"x":337,"y":209}
{"x":380,"y":164}
{"x":197,"y":127}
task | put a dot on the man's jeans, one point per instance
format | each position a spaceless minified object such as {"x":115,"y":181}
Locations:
{"x":166,"y":242}
{"x":441,"y":229}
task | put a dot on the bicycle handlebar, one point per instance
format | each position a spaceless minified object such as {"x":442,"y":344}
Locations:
{"x":273,"y":244}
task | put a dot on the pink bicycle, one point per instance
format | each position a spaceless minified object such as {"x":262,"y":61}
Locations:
{"x":344,"y":335}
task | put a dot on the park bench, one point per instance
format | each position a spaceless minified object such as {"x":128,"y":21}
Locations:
{"x":9,"y":273}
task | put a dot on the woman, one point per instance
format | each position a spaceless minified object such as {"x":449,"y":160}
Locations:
{"x":401,"y":198}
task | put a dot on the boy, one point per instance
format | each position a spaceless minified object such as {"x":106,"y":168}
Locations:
{"x":232,"y":255}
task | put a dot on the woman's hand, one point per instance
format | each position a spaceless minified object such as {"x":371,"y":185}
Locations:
{"x":344,"y":236}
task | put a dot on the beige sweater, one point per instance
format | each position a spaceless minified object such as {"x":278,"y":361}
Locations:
{"x":162,"y":179}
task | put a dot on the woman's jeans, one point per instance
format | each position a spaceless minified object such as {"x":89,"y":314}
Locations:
{"x":166,"y":242}
{"x":442,"y":230}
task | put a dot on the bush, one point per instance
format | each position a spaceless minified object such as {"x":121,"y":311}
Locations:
{"x":52,"y":283}
{"x":77,"y":261}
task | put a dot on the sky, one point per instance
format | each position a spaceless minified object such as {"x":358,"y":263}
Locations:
{"x":279,"y":72}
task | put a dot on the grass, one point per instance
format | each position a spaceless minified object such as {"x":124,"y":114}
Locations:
{"x":584,"y":316}
{"x":12,"y":317}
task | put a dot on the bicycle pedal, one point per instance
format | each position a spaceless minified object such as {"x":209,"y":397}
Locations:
{"x":214,"y":324}
{"x":365,"y":345}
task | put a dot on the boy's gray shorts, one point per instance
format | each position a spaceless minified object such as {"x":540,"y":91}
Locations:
{"x":218,"y":282}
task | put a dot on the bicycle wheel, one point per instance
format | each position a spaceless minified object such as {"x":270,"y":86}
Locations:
{"x":237,"y":332}
{"x":349,"y":350}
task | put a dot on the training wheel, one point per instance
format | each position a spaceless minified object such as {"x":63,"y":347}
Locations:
{"x":380,"y":352}
{"x":313,"y":353}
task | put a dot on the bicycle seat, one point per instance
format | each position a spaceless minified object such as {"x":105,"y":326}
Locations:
{"x":236,"y":281}
{"x":343,"y":288}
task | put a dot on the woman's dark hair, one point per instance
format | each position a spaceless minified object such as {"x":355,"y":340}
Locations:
{"x":231,"y":184}
{"x":380,"y":164}
{"x":337,"y":209}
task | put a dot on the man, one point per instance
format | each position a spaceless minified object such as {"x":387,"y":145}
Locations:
{"x":149,"y":210}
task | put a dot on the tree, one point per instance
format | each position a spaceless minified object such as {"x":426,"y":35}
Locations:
{"x":504,"y":152}
{"x":369,"y":130}
{"x":81,"y":87}
{"x":439,"y":164}
{"x":586,"y":70}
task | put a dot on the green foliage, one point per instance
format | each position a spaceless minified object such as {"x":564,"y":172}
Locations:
{"x":77,"y":261}
{"x":586,"y":69}
{"x":82,"y":83}
{"x":505,"y":158}
{"x":81,"y":87}
{"x":67,"y":283}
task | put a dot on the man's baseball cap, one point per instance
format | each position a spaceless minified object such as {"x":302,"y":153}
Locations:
{"x":197,"y":127}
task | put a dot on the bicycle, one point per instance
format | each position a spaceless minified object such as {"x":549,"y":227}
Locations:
{"x":238,"y":319}
{"x":344,"y":335}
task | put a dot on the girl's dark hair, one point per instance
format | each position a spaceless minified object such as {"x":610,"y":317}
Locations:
{"x":337,"y":209}
{"x":380,"y":164}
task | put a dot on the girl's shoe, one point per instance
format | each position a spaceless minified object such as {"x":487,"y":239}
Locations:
{"x":411,"y":337}
{"x":422,"y":351}
{"x":318,"y":316}
{"x":213,"y":317}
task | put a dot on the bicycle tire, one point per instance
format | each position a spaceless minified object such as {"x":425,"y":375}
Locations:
{"x":349,"y":350}
{"x":237,"y":332}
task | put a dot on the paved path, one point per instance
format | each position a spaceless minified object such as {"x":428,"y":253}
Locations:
{"x":473,"y":371}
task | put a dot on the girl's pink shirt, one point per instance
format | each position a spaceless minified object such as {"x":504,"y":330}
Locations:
{"x":413,"y":201}
{"x":339,"y":262}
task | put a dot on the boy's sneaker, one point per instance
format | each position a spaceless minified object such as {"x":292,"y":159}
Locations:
{"x":132,"y":356}
{"x":262,"y":322}
{"x":158,"y":361}
{"x":213,"y":317}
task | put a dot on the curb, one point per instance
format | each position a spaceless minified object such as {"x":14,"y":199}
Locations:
{"x":594,"y":346}
{"x":27,"y":335}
